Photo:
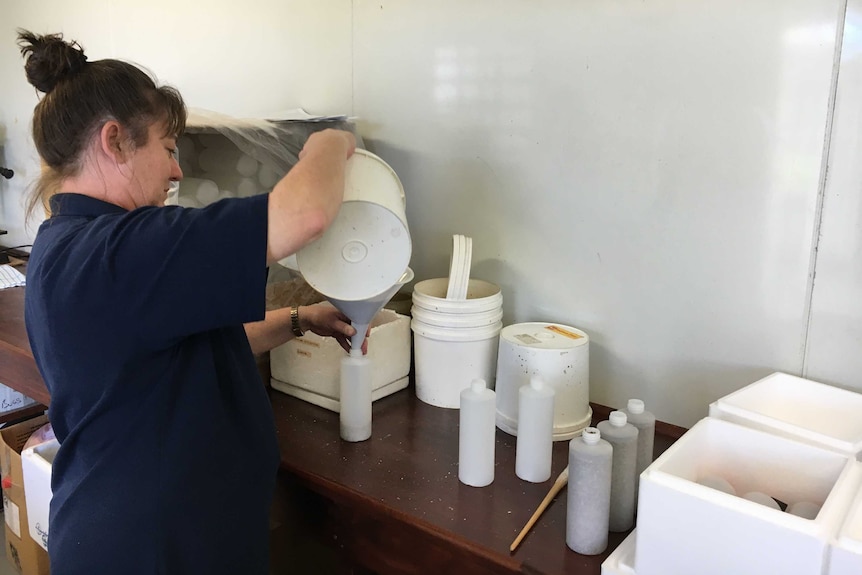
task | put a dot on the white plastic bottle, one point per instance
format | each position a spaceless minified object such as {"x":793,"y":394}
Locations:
{"x":535,"y":443}
{"x":644,"y":421}
{"x":589,"y":495}
{"x":623,"y":436}
{"x":355,"y":399}
{"x":476,"y":436}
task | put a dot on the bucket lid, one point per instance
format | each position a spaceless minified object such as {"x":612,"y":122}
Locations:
{"x":544,"y":335}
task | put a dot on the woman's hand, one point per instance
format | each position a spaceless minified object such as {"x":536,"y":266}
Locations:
{"x":324,"y":320}
{"x":329,"y":137}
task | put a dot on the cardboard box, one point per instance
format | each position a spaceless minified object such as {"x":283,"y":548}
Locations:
{"x":801,"y":409}
{"x":25,"y":554}
{"x":36,"y":462}
{"x":686,"y":527}
{"x":309,"y":367}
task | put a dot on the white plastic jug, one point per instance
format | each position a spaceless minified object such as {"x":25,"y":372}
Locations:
{"x":367,"y":248}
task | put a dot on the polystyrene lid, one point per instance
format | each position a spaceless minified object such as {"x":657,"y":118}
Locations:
{"x":816,"y":411}
{"x":544,"y":335}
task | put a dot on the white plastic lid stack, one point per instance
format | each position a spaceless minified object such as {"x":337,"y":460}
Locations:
{"x":476,"y":436}
{"x":535,"y":443}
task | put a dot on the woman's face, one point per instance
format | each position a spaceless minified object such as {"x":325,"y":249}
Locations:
{"x":154,"y":167}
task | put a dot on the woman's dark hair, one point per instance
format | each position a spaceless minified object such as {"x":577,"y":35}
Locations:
{"x":80,"y":97}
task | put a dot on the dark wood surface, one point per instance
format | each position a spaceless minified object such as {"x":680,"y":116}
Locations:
{"x":392,"y":504}
{"x":17,"y":366}
{"x":396,"y":505}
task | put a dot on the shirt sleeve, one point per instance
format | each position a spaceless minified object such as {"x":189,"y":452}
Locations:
{"x":174,"y":271}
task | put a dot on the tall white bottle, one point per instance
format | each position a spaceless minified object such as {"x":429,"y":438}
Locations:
{"x":589,"y":495}
{"x":355,"y":399}
{"x":477,"y":434}
{"x":644,"y":421}
{"x":623,"y":437}
{"x":535,"y":443}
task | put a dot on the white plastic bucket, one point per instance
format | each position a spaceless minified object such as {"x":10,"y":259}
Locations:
{"x":448,"y":359}
{"x":451,"y":320}
{"x":367,"y":248}
{"x":482,"y":296}
{"x":561,"y":356}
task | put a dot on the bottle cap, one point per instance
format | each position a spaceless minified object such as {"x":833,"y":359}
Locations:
{"x":478,"y":385}
{"x":618,"y":418}
{"x":591,"y":435}
{"x":537,"y":383}
{"x":635,"y":406}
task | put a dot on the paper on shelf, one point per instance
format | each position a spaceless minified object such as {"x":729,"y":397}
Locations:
{"x":10,"y":277}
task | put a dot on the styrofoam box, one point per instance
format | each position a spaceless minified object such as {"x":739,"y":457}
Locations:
{"x":36,"y":464}
{"x":622,"y":560}
{"x":685,"y":527}
{"x":846,"y":553}
{"x":309,"y":367}
{"x":791,"y":406}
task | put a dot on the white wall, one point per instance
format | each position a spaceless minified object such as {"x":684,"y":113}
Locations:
{"x":650,"y":172}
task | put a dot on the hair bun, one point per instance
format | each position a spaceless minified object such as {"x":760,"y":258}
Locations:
{"x":49,"y":59}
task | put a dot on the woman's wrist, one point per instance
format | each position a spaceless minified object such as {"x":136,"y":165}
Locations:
{"x":296,"y":323}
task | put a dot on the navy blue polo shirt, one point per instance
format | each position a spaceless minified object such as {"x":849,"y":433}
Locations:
{"x":168,"y":449}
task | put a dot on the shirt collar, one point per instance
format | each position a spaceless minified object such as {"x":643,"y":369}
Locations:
{"x":80,"y":205}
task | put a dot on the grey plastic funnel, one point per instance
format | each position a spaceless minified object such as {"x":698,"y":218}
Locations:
{"x":361,"y":312}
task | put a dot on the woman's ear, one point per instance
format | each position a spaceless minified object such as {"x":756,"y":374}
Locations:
{"x":113,"y":142}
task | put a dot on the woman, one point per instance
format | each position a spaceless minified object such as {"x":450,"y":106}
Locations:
{"x":143,"y":319}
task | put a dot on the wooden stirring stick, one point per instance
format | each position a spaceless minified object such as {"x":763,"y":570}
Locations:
{"x":558,"y":485}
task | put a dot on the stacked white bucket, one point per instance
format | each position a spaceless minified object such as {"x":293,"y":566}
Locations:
{"x":455,"y":338}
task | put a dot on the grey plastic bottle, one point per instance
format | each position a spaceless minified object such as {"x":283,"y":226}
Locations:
{"x":644,"y":421}
{"x":623,"y":436}
{"x":589,"y":494}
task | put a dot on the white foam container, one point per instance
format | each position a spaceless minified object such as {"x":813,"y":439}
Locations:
{"x":558,"y":353}
{"x":845,"y":557}
{"x":798,"y":408}
{"x":685,"y":527}
{"x":309,"y":367}
{"x":36,"y":465}
{"x":622,"y":560}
